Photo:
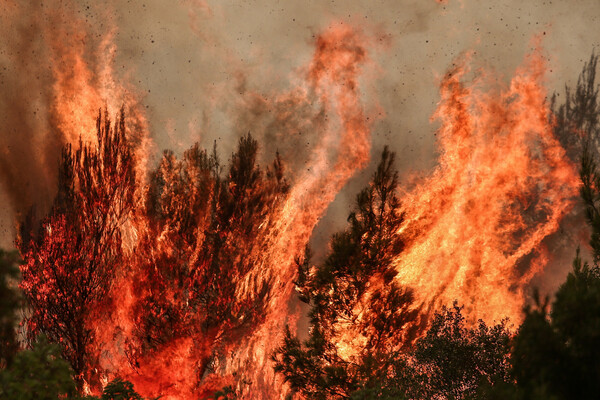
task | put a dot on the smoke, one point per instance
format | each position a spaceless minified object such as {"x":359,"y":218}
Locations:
{"x":57,"y":61}
{"x":209,"y":70}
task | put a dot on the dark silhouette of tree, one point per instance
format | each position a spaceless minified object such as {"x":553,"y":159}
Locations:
{"x":70,"y":256}
{"x":40,"y":373}
{"x":37,"y":374}
{"x":576,"y":119}
{"x":578,"y":128}
{"x":119,"y":389}
{"x":353,"y":295}
{"x":555,"y":354}
{"x":10,"y":303}
{"x":452,"y":360}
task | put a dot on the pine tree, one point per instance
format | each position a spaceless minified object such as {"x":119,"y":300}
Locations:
{"x":360,"y":318}
{"x":203,"y":230}
{"x":71,"y":256}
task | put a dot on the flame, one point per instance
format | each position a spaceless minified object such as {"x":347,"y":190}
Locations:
{"x":62,"y":76}
{"x":333,"y":75}
{"x":84,"y":79}
{"x":171,"y":369}
{"x":502,"y":185}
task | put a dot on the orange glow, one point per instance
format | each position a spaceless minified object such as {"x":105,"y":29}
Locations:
{"x":502,"y":185}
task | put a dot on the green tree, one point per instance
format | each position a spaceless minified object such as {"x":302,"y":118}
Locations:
{"x":120,"y":390}
{"x":10,"y":303}
{"x":360,"y":318}
{"x":556,"y":354}
{"x":37,"y":374}
{"x":453,"y":360}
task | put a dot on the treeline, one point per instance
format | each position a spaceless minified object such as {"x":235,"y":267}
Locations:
{"x":367,"y":338}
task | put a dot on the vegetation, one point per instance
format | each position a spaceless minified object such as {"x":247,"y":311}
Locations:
{"x":10,"y":302}
{"x":368,"y":339}
{"x":37,"y":373}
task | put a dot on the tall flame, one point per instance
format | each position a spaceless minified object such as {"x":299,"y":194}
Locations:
{"x":502,"y":185}
{"x":333,"y":75}
{"x":343,"y":147}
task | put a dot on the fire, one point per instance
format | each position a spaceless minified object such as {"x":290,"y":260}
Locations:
{"x":502,"y":185}
{"x":161,"y":326}
{"x":196,"y":286}
{"x":332,"y":75}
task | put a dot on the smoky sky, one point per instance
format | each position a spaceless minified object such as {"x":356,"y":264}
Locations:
{"x":206,"y":66}
{"x":207,"y":70}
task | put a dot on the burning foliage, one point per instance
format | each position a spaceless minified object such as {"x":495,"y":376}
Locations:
{"x":180,"y":281}
{"x":70,"y":258}
{"x":180,"y":278}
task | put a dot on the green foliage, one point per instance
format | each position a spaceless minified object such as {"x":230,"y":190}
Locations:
{"x":10,"y":302}
{"x":41,"y":374}
{"x":37,"y":374}
{"x":559,"y":353}
{"x":452,"y":361}
{"x":120,"y":390}
{"x":353,"y":295}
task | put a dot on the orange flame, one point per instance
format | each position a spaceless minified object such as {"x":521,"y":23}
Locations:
{"x":343,"y":148}
{"x":332,"y":74}
{"x":502,"y":185}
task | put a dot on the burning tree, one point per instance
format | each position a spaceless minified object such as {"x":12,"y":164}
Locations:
{"x":189,"y":248}
{"x":360,"y":317}
{"x":72,"y":255}
{"x":198,"y":247}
